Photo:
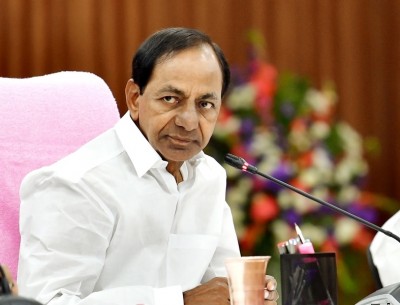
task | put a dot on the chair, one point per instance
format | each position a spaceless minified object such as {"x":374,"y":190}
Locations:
{"x":43,"y":119}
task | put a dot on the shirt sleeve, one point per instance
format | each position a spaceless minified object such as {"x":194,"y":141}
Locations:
{"x":65,"y":232}
{"x":385,"y":252}
{"x":228,"y":246}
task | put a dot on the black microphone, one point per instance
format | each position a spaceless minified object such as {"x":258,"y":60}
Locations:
{"x":241,"y":164}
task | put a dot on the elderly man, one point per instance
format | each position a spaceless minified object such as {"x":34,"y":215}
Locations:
{"x":138,"y":215}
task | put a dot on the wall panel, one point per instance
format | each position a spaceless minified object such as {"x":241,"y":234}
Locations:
{"x":352,"y":42}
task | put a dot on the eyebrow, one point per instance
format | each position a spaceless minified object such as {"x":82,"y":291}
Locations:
{"x":172,"y":89}
{"x":209,"y":96}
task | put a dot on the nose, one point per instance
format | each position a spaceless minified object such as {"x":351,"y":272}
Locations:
{"x":187,"y":117}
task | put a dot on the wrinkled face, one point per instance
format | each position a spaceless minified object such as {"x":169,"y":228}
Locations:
{"x":179,"y":107}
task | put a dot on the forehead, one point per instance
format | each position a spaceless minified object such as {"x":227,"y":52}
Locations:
{"x":201,"y":53}
{"x":198,"y":63}
{"x":172,"y":53}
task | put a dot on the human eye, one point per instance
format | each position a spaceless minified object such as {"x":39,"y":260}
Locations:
{"x":170,"y":99}
{"x":206,"y":105}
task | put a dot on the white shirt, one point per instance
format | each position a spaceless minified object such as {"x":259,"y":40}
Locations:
{"x":385,"y":252}
{"x":109,"y":225}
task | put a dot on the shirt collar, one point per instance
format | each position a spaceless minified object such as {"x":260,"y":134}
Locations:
{"x":139,"y":150}
{"x":142,"y":154}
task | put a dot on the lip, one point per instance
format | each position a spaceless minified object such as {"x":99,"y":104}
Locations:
{"x":180,"y":140}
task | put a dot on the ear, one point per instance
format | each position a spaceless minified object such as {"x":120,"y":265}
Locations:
{"x":132,"y":93}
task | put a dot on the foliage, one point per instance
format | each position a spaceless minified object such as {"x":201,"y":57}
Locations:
{"x":290,"y":130}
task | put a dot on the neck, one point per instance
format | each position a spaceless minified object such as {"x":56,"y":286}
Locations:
{"x":174,"y":168}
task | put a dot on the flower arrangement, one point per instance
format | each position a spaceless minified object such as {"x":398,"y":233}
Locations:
{"x":289,"y":129}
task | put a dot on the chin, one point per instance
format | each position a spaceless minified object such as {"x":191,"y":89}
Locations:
{"x":179,"y":156}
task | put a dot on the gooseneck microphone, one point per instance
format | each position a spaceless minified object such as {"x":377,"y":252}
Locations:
{"x":241,"y":164}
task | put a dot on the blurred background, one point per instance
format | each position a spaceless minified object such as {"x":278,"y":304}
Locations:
{"x":352,"y":45}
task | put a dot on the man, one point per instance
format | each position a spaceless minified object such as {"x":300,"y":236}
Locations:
{"x":138,"y":215}
{"x":385,"y":251}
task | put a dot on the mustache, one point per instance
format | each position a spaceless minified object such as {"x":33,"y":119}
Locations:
{"x":182,"y":134}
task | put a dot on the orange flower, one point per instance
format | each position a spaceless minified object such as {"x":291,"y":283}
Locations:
{"x":263,"y":208}
{"x":264,"y":80}
{"x":330,"y":245}
{"x":250,"y":237}
{"x":363,"y":238}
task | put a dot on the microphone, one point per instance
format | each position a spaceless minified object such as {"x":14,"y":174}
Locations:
{"x":241,"y":164}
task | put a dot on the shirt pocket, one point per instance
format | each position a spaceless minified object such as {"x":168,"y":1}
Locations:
{"x":188,"y":258}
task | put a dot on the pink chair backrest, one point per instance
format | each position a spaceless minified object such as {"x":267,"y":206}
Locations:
{"x":43,"y":119}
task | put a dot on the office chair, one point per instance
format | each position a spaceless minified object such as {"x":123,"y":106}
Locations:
{"x":43,"y":119}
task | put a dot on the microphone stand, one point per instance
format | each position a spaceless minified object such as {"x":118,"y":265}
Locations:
{"x":241,"y":164}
